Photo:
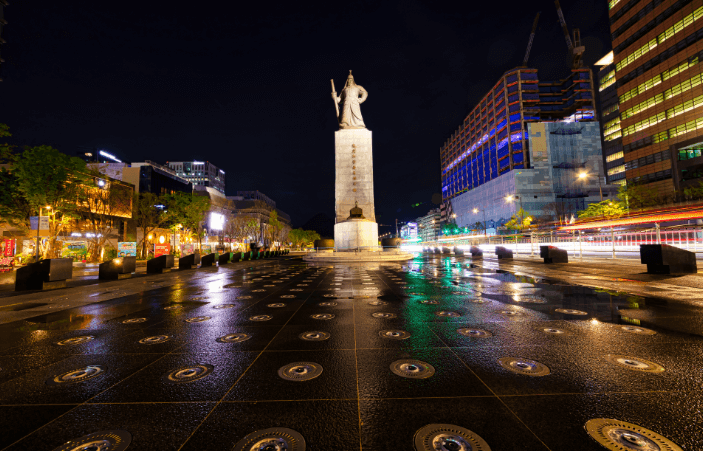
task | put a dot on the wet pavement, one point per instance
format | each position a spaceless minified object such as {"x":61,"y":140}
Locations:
{"x":354,"y":357}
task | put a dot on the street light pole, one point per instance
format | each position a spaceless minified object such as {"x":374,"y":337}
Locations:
{"x":48,"y":207}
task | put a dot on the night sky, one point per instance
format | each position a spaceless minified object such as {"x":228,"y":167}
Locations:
{"x":246,"y":86}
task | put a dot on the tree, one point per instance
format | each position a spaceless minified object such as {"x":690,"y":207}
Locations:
{"x":557,"y":212}
{"x":148,"y":213}
{"x":301,"y":238}
{"x":188,"y":211}
{"x":605,"y":209}
{"x":41,"y":177}
{"x":275,"y":226}
{"x":519,"y":221}
{"x":638,"y":197}
{"x":693,"y":192}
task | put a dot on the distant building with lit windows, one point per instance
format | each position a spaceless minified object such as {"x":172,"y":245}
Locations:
{"x":200,"y":173}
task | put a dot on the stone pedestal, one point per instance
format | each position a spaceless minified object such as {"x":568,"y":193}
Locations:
{"x":356,"y":234}
{"x":353,"y":173}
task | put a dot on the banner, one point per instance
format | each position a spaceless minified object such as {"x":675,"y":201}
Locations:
{"x":76,"y":250}
{"x":205,"y":249}
{"x":43,"y":225}
{"x":162,"y":249}
{"x":187,"y":249}
{"x":127,"y":249}
{"x":7,"y":248}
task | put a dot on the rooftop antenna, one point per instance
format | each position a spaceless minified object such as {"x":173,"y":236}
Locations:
{"x":532,"y":37}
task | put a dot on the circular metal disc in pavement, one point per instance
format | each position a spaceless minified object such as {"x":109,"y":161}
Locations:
{"x":75,"y":340}
{"x":189,"y":373}
{"x":197,"y":319}
{"x":260,"y":318}
{"x":412,"y":369}
{"x":276,"y":305}
{"x":448,"y":437}
{"x":394,"y":334}
{"x":156,"y":339}
{"x":233,"y":338}
{"x":327,"y":304}
{"x":300,"y":371}
{"x":274,"y":439}
{"x":447,"y":314}
{"x":634,"y":363}
{"x":78,"y":375}
{"x":134,"y":321}
{"x":474,"y":333}
{"x":637,"y":330}
{"x":617,"y":435}
{"x":383,"y":315}
{"x":525,"y":367}
{"x":224,"y":306}
{"x":570,"y":311}
{"x":99,"y":441}
{"x":315,"y":335}
{"x":322,"y":316}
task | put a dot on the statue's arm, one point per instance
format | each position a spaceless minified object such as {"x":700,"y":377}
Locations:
{"x":335,"y":98}
{"x":363,"y":93}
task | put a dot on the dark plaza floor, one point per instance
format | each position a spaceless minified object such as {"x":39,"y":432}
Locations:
{"x":196,"y":366}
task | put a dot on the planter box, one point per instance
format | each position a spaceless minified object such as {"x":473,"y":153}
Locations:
{"x":160,"y":265}
{"x":117,"y":268}
{"x":207,"y":260}
{"x":665,"y":259}
{"x":189,"y":261}
{"x":44,"y":275}
{"x":552,"y":254}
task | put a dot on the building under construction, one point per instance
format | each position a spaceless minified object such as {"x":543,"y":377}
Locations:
{"x":494,"y":138}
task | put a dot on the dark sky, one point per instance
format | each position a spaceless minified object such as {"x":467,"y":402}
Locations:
{"x":246,"y":85}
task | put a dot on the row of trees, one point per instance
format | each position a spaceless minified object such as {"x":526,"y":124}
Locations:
{"x":40,"y":180}
{"x":300,"y":238}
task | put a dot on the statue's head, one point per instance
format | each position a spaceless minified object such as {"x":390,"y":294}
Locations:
{"x":350,"y":80}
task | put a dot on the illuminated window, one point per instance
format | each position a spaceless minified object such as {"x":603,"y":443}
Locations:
{"x":665,"y":35}
{"x":614,"y":156}
{"x":616,"y":170}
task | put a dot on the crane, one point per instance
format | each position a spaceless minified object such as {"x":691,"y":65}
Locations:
{"x":532,"y":37}
{"x":577,"y":50}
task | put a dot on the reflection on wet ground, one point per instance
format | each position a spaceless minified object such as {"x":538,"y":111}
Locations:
{"x":431,"y":354}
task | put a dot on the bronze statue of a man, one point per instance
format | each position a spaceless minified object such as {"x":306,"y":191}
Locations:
{"x":350,"y":98}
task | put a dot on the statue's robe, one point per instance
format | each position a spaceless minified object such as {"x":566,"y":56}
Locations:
{"x":351,"y":97}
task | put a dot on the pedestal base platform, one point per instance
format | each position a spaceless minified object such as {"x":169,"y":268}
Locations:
{"x":356,"y":234}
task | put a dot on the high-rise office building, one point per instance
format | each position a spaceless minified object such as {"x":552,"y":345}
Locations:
{"x":200,"y":173}
{"x":613,"y":155}
{"x":657,"y":50}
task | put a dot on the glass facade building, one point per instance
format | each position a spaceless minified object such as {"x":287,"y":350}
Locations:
{"x":493,"y":139}
{"x":613,"y":156}
{"x":657,"y":50}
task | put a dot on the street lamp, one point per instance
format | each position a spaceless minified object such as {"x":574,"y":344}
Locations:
{"x":584,"y":176}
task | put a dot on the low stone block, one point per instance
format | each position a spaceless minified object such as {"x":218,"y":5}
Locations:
{"x":189,"y":261}
{"x":503,"y":253}
{"x":223,"y":259}
{"x":437,"y":250}
{"x":552,"y":254}
{"x":666,"y":259}
{"x":476,"y":252}
{"x":117,"y":268}
{"x":160,"y":264}
{"x":458,"y":251}
{"x":207,"y":260}
{"x":235,"y":257}
{"x":44,"y":275}
{"x":246,"y":256}
{"x":446,"y":251}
